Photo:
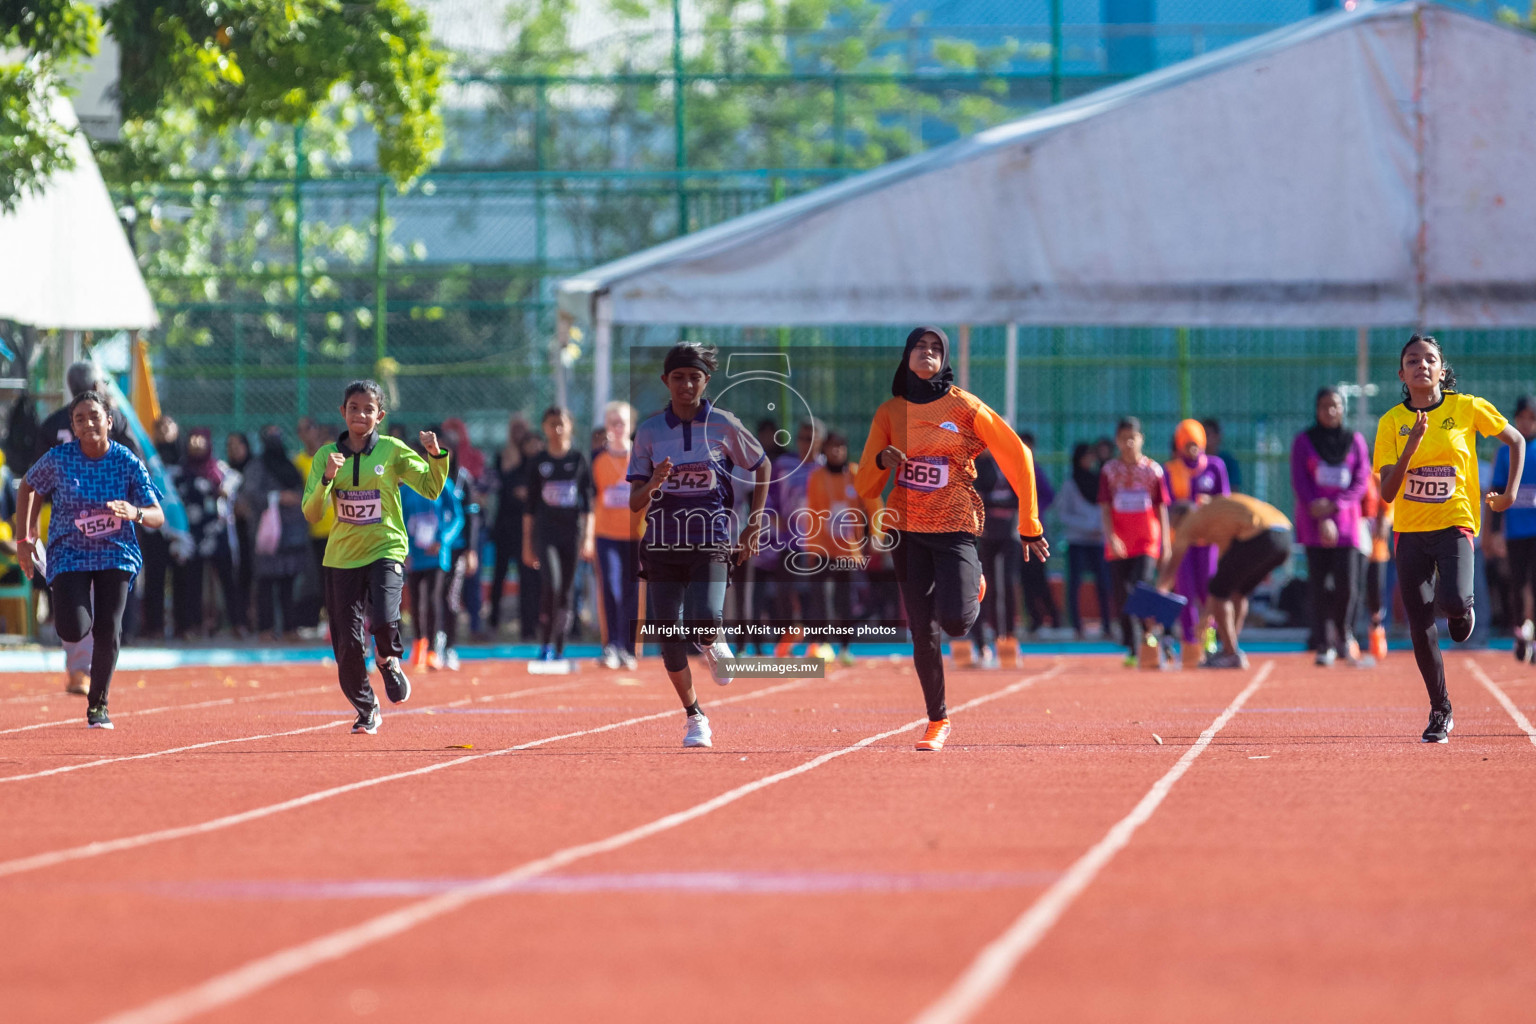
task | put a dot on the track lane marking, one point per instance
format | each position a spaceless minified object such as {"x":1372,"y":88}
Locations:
{"x":992,"y":967}
{"x":268,"y":970}
{"x":222,"y":701}
{"x":1503,"y":698}
{"x":268,"y":736}
{"x":52,"y":858}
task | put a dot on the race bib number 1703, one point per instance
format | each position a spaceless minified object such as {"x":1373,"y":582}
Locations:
{"x":1431,"y":484}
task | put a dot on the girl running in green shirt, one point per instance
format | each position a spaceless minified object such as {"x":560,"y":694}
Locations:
{"x":360,"y":476}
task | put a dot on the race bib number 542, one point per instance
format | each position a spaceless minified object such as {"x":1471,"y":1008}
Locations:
{"x":1431,"y":484}
{"x":360,"y":508}
{"x":924,"y":473}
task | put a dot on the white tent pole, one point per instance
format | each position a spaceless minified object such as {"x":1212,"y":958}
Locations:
{"x":556,"y":349}
{"x":602,"y":355}
{"x":1421,"y":199}
{"x":1011,"y":372}
{"x":965,"y":357}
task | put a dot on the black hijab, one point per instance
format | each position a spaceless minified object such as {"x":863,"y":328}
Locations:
{"x":243,"y":462}
{"x":913,"y":388}
{"x":274,"y":458}
{"x":1332,"y":443}
{"x":1087,"y":480}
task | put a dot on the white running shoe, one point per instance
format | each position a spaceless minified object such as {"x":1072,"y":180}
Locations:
{"x":628,"y":660}
{"x":714,"y":655}
{"x":698,"y":734}
{"x":451,"y":660}
{"x":610,"y":658}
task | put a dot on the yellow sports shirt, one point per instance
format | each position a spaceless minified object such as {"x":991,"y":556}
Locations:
{"x":1441,"y":488}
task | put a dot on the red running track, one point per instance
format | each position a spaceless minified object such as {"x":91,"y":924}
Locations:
{"x":1308,"y":861}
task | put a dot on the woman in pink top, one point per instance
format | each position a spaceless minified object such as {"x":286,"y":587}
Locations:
{"x":1329,"y":469}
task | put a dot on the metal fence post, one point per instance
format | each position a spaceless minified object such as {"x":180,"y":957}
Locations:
{"x":540,"y":117}
{"x":301,"y":354}
{"x":1056,"y":51}
{"x":839,"y":129}
{"x":679,"y":118}
{"x":239,"y":403}
{"x":1186,"y":392}
{"x":380,"y":279}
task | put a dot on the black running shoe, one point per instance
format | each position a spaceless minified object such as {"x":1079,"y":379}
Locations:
{"x":1522,"y":650}
{"x":1462,"y":628}
{"x":367,"y":722}
{"x":396,"y":687}
{"x":1439,"y":728}
{"x":96,"y":717}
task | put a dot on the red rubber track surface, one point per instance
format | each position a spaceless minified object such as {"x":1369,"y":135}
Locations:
{"x":1316,"y":862}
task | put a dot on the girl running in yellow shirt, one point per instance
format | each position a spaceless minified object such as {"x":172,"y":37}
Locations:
{"x":1426,"y":453}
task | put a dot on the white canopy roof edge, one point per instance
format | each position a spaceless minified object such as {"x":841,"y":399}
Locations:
{"x":64,"y":260}
{"x":1355,"y":169}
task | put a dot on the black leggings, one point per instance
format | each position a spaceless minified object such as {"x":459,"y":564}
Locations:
{"x":557,"y":573}
{"x":425,"y":587}
{"x":1522,"y":576}
{"x":1335,"y":603}
{"x":940,"y":579}
{"x":1127,"y":572}
{"x":1434,"y":567}
{"x":686,"y":588}
{"x":1375,"y":590}
{"x":76,"y":612}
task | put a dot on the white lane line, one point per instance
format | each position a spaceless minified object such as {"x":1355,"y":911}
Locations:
{"x":268,"y":970}
{"x":105,"y":846}
{"x":278,"y":695}
{"x":989,"y":972}
{"x":1503,"y":698}
{"x":266,"y":736}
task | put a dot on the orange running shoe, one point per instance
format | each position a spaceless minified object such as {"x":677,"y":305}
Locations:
{"x":934,"y":738}
{"x":981,"y":595}
{"x":419,"y":654}
{"x":1379,"y":643}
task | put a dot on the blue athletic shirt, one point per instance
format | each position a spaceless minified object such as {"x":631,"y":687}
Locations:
{"x":1520,"y":519}
{"x":694,"y":510}
{"x":82,"y":535}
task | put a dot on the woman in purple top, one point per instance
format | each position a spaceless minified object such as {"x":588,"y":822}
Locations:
{"x":1194,"y":478}
{"x":1329,"y":470}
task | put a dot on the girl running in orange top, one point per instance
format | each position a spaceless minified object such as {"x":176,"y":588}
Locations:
{"x":617,"y":531}
{"x":929,"y":435}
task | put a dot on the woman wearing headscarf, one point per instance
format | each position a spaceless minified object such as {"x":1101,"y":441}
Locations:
{"x":928,"y":436}
{"x":1194,"y":478}
{"x":237,"y":459}
{"x":203,"y":488}
{"x":469,"y":477}
{"x":1329,"y":466}
{"x":1078,"y":508}
{"x":272,"y":482}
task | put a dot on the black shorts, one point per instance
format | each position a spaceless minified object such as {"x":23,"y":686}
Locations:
{"x":1247,"y":562}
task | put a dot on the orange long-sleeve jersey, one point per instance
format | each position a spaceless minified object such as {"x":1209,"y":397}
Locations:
{"x":831,"y":496}
{"x":933,"y":492}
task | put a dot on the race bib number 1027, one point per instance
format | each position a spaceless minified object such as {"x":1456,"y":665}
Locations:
{"x":360,"y":508}
{"x":1430,"y":484}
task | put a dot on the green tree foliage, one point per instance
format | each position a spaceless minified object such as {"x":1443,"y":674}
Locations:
{"x":231,"y":65}
{"x":39,"y":41}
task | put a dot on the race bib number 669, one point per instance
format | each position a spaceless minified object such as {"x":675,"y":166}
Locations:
{"x":924,"y":473}
{"x":1431,"y":484}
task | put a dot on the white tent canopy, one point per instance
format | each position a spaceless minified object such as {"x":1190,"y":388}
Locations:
{"x":1356,"y":169}
{"x":64,"y":261}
